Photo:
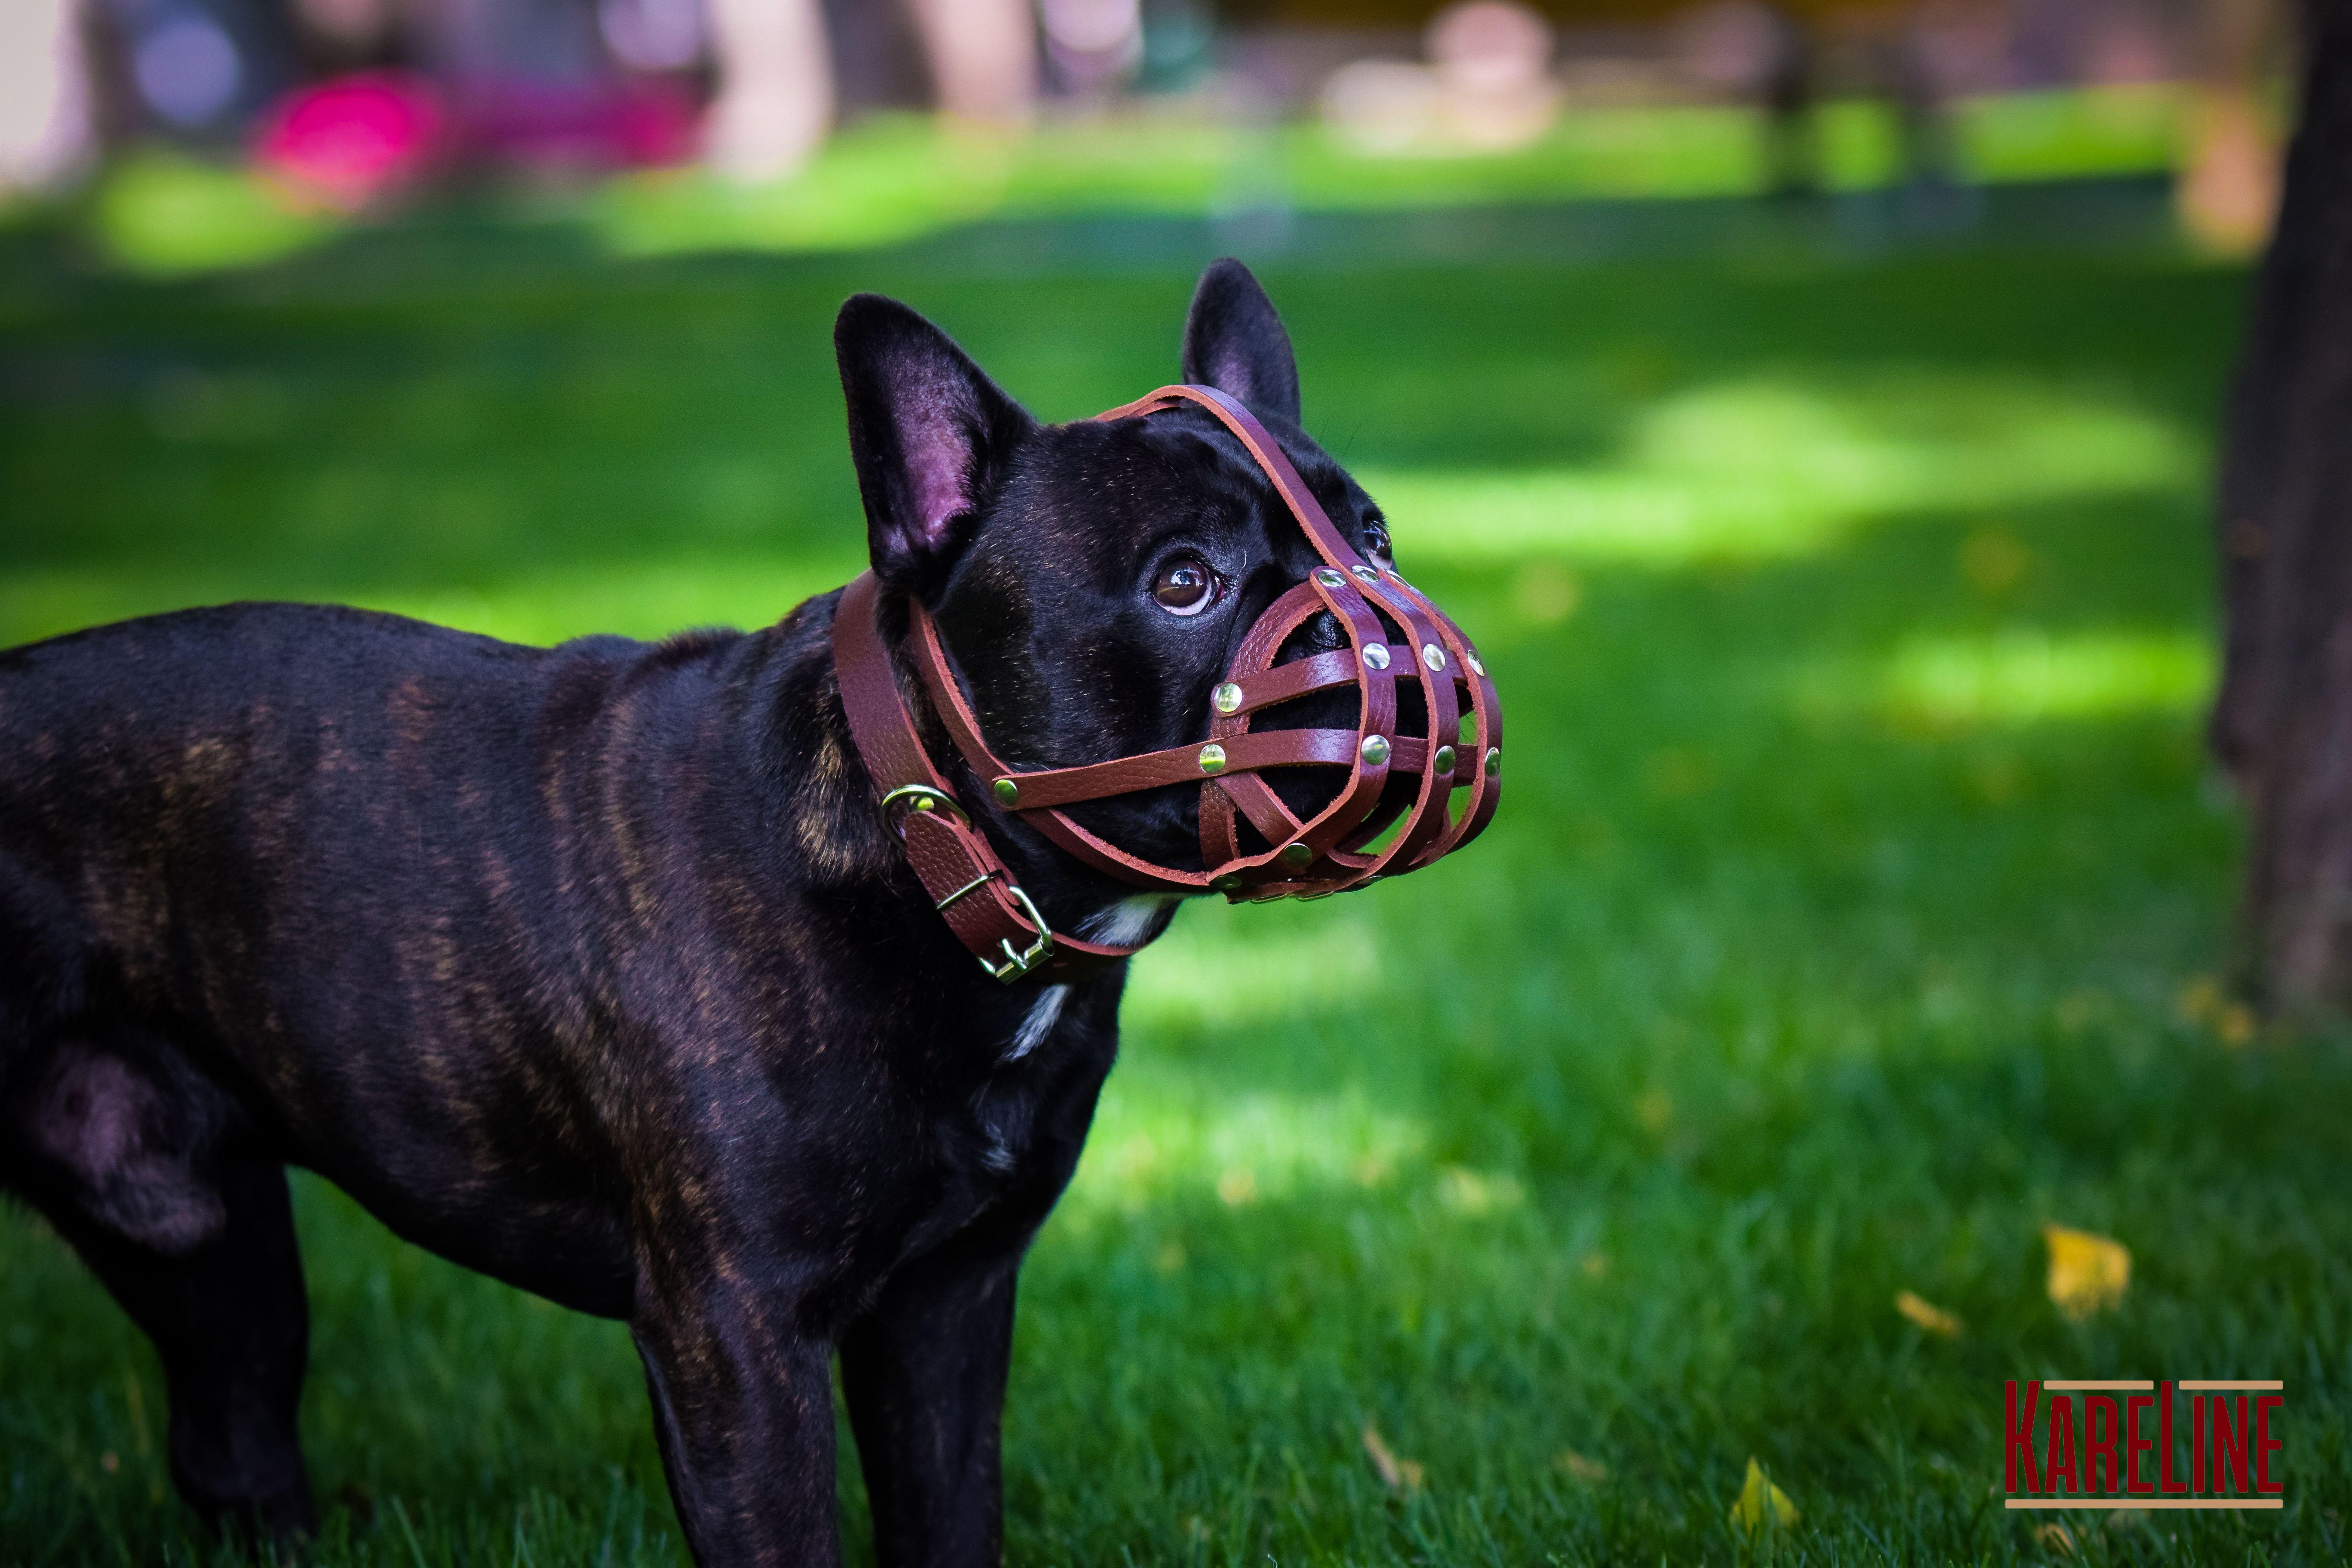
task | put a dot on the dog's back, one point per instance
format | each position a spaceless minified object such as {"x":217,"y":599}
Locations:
{"x":157,"y":773}
{"x":299,"y":868}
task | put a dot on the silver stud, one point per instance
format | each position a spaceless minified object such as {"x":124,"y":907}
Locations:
{"x":1329,"y":578}
{"x":1297,"y":855}
{"x":1470,"y":658}
{"x":1375,"y":749}
{"x":1007,"y":793}
{"x":1212,"y":758}
{"x":1376,"y":656}
{"x":1227,"y":884}
{"x":1493,"y":761}
{"x":1433,"y":656}
{"x":1226,"y":698}
{"x":1444,"y":760}
{"x":1365,"y":574}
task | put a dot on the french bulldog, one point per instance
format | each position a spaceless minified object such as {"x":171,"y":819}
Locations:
{"x":594,"y":968}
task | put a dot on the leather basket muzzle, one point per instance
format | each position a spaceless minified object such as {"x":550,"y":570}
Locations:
{"x":1393,"y":636}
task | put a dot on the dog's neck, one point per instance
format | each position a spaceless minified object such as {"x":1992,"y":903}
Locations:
{"x":830,"y":804}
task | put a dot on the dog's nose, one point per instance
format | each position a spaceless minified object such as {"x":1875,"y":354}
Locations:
{"x":1323,"y":633}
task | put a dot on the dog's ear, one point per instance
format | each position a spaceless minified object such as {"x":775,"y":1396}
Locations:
{"x":1234,"y":342}
{"x":929,"y":433}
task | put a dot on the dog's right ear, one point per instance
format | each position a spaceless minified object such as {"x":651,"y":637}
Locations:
{"x":929,"y":433}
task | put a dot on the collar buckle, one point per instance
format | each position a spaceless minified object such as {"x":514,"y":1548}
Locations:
{"x":1017,"y":965}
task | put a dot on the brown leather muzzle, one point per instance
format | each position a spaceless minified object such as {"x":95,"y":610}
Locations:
{"x":1457,"y":748}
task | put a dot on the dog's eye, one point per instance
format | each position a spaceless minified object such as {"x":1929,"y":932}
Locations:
{"x":1184,"y":587}
{"x":1376,"y":538}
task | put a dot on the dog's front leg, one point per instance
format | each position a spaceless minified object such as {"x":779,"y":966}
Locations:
{"x":924,"y":1376}
{"x":743,"y":1407}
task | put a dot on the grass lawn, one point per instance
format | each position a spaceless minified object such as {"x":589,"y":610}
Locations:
{"x":1848,"y":918}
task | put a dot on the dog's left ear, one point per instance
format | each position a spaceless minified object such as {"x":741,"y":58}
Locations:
{"x":1234,"y":342}
{"x":929,"y":433}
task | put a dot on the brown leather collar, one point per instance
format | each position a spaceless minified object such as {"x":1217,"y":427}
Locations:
{"x":1459,"y":749}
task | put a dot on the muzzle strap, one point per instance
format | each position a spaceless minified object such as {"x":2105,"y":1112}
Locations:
{"x":1458,"y":749}
{"x":1460,"y":746}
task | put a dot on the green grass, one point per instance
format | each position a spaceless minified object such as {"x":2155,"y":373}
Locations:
{"x":1852,"y":623}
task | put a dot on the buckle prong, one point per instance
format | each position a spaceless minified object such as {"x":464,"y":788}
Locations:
{"x":1018,"y":964}
{"x":978,"y":881}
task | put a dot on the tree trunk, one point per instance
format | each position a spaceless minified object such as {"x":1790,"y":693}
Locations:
{"x":776,"y":87}
{"x":983,"y":56}
{"x":2283,"y":723}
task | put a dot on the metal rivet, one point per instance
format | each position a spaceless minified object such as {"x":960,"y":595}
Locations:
{"x":1228,"y":884}
{"x":1007,"y":793}
{"x":1493,"y":761}
{"x":1329,"y":578}
{"x":1375,"y":749}
{"x":1470,"y":658}
{"x":1376,"y":656}
{"x":1212,"y":758}
{"x":1444,"y":760}
{"x":1297,"y":856}
{"x":1226,"y":698}
{"x":1433,"y":656}
{"x":1366,"y":574}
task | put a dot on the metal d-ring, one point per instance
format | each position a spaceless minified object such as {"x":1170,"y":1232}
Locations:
{"x":923,"y":797}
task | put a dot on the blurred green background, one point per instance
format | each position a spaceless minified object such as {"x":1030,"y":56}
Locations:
{"x":893,"y":178}
{"x":1852,"y":913}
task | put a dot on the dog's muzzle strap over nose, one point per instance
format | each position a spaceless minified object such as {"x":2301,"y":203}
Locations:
{"x":1394,"y":634}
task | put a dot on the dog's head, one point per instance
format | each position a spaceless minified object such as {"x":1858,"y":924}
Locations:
{"x":1092,"y":579}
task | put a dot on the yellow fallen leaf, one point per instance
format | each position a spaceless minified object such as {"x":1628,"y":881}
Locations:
{"x":2203,"y":1002}
{"x":1927,"y":1315}
{"x":2057,"y":1537}
{"x":1759,"y":1499}
{"x":2088,"y":1273}
{"x":1403,"y":1474}
{"x":1592,"y":1472}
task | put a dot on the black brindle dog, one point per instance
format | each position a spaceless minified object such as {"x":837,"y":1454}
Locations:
{"x":594,"y":968}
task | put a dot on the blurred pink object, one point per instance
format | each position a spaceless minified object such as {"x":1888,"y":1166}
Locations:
{"x":344,"y":143}
{"x":595,"y":126}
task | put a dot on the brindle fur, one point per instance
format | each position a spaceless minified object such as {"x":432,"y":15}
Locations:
{"x":591,"y":967}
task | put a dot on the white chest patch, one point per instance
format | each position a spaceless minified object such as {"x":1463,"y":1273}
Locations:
{"x":1127,"y":921}
{"x":1037,"y":1022}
